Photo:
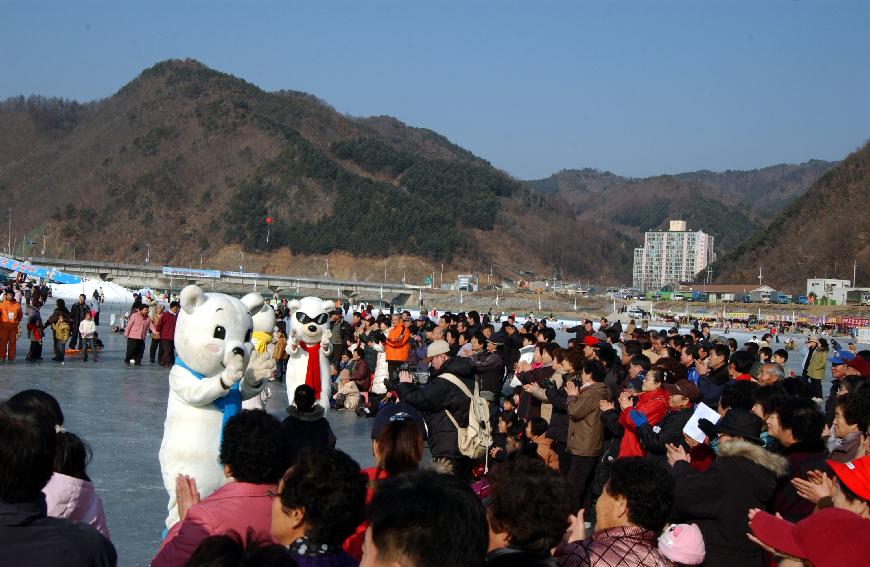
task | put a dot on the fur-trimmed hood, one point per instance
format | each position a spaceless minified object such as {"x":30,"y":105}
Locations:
{"x":316,"y":413}
{"x":776,"y":464}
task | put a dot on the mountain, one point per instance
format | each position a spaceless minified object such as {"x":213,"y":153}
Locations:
{"x":185,"y":161}
{"x":730,"y":204}
{"x":820,"y":234}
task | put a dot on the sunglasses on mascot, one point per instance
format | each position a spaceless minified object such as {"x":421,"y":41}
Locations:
{"x":305,"y":319}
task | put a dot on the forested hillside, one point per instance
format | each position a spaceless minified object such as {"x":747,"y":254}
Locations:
{"x":190,"y":161}
{"x":821,"y":234}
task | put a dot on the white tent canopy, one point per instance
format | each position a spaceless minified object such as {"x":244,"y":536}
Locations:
{"x":112,"y":291}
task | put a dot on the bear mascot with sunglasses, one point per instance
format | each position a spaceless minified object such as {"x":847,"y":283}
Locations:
{"x":308,"y":346}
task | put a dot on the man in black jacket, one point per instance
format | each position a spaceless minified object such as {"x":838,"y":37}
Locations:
{"x":439,"y":397}
{"x":76,"y":316}
{"x":581,"y":330}
{"x":713,"y":383}
{"x":490,"y":370}
{"x":28,"y":537}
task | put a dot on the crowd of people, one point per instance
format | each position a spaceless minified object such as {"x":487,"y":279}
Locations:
{"x":587,"y":453}
{"x":72,"y":328}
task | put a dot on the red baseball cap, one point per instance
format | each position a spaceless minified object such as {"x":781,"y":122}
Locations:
{"x":855,"y":475}
{"x":829,"y":538}
{"x":861,"y":365}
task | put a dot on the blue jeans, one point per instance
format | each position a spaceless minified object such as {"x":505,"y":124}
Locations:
{"x":88,"y":343}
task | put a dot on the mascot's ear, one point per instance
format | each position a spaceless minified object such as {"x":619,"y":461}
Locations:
{"x":192,"y":297}
{"x":253,"y":301}
{"x":294,"y":305}
{"x":328,"y":306}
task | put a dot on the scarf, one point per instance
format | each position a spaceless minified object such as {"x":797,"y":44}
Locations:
{"x":230,"y":404}
{"x":312,"y":372}
{"x":261,"y":340}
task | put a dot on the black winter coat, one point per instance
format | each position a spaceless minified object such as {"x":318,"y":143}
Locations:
{"x":490,"y":372}
{"x":29,"y":538}
{"x":303,"y":430}
{"x":670,"y":430}
{"x":712,"y":385}
{"x":529,"y":405}
{"x":719,"y":499}
{"x":511,"y":351}
{"x":440,"y":395}
{"x":613,"y":433}
{"x":580,"y":331}
{"x":558,"y":398}
{"x":802,"y":458}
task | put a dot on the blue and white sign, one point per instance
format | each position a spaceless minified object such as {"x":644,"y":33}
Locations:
{"x":29,"y":269}
{"x":190,"y":273}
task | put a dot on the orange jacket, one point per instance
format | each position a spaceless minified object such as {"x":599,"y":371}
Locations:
{"x":10,"y":313}
{"x":396,"y":346}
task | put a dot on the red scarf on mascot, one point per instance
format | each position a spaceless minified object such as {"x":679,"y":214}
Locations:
{"x":312,"y":373}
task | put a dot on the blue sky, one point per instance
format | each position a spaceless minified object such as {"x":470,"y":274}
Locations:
{"x":638,"y":88}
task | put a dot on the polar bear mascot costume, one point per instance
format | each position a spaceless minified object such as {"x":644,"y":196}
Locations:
{"x":216,"y":367}
{"x":264,"y":325}
{"x":308,"y":347}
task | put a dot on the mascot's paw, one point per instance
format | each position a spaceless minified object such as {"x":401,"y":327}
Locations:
{"x":259,"y":368}
{"x":234,"y":368}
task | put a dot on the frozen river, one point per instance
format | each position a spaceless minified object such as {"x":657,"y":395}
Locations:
{"x":119,"y":410}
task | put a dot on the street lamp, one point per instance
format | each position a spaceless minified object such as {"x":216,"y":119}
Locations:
{"x":326,"y":272}
{"x":242,"y":265}
{"x":147,"y":253}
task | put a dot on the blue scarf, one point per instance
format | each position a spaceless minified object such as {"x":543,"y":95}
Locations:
{"x":230,"y":404}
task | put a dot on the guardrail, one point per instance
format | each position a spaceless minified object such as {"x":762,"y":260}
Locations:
{"x":160,"y":272}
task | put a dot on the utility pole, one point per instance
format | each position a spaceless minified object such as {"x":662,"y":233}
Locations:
{"x":854,"y":273}
{"x":760,"y":277}
{"x":9,"y":241}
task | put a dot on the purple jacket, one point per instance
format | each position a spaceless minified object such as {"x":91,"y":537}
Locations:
{"x":235,"y":506}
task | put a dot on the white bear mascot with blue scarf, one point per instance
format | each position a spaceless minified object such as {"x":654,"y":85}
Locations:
{"x":216,"y":367}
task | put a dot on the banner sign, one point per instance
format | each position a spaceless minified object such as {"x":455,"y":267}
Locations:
{"x":30,"y":270}
{"x":241,"y":274}
{"x":190,"y":273}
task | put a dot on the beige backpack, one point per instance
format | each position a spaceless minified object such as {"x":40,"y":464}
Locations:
{"x":474,"y":440}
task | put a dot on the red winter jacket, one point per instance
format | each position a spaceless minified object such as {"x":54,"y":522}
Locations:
{"x":652,"y":404}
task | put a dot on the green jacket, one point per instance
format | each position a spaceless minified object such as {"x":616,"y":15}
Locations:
{"x":816,"y":368}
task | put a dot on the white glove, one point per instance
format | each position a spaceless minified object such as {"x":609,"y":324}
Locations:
{"x":260,"y":367}
{"x":292,"y":342}
{"x":235,"y":369}
{"x":325,"y":337}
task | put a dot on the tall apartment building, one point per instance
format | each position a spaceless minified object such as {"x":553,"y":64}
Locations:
{"x":671,"y":256}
